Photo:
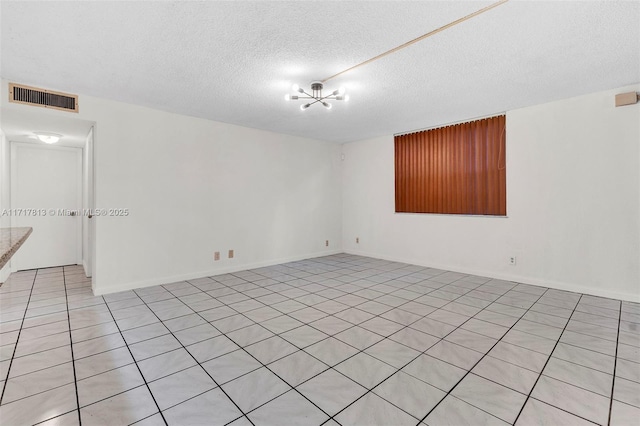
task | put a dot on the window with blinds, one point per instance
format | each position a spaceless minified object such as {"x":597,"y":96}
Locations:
{"x":458,"y":169}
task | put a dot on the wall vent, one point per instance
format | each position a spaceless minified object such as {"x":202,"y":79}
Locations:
{"x":27,"y":95}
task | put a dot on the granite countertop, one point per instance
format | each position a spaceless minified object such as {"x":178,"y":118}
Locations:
{"x":10,"y":241}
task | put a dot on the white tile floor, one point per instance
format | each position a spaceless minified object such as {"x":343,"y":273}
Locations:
{"x":335,"y":340}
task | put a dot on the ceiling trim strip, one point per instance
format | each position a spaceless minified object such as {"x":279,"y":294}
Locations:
{"x":422,"y":37}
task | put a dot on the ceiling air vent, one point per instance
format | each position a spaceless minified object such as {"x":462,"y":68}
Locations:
{"x":43,"y":98}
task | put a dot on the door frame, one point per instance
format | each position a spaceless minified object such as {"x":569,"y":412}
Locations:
{"x":88,"y":185}
{"x":14,"y":187}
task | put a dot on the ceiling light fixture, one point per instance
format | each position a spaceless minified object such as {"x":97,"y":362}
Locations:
{"x":48,"y":137}
{"x":316,"y":95}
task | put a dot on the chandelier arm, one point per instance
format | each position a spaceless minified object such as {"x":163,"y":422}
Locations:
{"x":327,"y":97}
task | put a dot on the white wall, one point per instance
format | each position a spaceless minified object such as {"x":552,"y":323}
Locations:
{"x":5,"y":194}
{"x":195,"y":186}
{"x":573,"y":203}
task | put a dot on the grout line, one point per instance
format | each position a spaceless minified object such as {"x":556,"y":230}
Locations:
{"x":413,"y":359}
{"x":545,"y":364}
{"x":65,"y":384}
{"x":590,"y":421}
{"x":562,"y":409}
{"x":73,"y":362}
{"x":243,"y":348}
{"x":51,"y":366}
{"x":137,"y":366}
{"x":41,"y":369}
{"x":615,"y":365}
{"x":479,"y":360}
{"x":43,"y":350}
{"x":115,"y":394}
{"x":4,"y":387}
{"x":194,"y":358}
{"x":576,"y":363}
{"x":57,"y":416}
{"x":143,"y":419}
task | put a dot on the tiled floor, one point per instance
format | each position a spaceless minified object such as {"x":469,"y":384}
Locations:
{"x":335,"y":340}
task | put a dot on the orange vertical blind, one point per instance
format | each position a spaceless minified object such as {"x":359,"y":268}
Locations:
{"x":458,"y":169}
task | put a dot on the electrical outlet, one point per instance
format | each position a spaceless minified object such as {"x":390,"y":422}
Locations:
{"x":326,"y":243}
{"x":216,"y":255}
{"x":230,"y":254}
{"x":512,"y":260}
{"x":357,"y":240}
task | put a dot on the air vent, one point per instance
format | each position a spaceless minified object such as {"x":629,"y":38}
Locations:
{"x":43,"y":98}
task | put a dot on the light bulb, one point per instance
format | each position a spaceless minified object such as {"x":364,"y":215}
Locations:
{"x":287,"y":97}
{"x":295,"y":87}
{"x":346,"y":98}
{"x":341,"y":90}
{"x":47,"y":137}
{"x":305,"y":106}
{"x":327,"y":105}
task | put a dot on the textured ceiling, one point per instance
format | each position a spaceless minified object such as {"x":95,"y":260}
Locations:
{"x":234,"y":61}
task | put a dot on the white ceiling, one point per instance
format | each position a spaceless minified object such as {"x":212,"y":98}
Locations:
{"x":234,"y":61}
{"x":19,"y":126}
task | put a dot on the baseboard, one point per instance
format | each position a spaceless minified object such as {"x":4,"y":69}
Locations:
{"x":98,"y":291}
{"x":508,"y":277}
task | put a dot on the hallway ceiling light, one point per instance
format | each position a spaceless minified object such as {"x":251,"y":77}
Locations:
{"x":48,"y":137}
{"x":316,"y":95}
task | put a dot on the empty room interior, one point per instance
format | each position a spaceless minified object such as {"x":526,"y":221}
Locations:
{"x":357,"y":213}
